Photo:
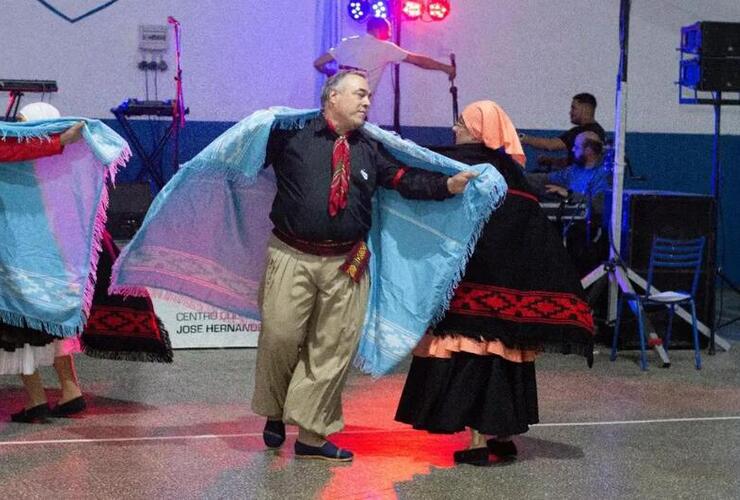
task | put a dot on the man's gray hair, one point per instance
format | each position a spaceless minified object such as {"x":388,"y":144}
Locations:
{"x":335,"y":80}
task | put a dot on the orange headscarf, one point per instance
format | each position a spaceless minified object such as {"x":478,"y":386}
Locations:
{"x":487,"y":122}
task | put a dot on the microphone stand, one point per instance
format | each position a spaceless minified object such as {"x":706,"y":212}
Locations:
{"x":178,"y":117}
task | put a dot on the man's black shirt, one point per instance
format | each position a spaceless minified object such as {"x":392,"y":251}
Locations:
{"x":569,"y":136}
{"x":301,"y":159}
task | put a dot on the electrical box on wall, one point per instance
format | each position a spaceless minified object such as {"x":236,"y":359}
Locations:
{"x":153,"y":38}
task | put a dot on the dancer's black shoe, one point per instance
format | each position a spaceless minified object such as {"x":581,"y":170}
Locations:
{"x":274,"y":433}
{"x":33,"y":415}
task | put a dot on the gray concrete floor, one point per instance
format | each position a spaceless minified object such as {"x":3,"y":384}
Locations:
{"x":185,"y":431}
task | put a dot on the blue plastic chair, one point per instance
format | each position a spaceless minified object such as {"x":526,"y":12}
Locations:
{"x":666,"y":254}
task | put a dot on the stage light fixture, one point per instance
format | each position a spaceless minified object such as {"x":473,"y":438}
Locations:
{"x":380,"y":8}
{"x":358,"y":10}
{"x":438,"y":9}
{"x":412,"y":9}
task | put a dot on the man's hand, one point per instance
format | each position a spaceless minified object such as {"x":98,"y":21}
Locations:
{"x":72,"y":134}
{"x":451,"y":72}
{"x":456,"y":184}
{"x":559,"y":190}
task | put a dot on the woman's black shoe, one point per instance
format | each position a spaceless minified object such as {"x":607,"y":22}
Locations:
{"x":71,"y":407}
{"x":503,"y":449}
{"x":36,"y":414}
{"x":472,"y":456}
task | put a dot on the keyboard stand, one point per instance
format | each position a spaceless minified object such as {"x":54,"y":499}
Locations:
{"x":152,"y":160}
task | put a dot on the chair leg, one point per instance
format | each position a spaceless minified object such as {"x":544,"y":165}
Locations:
{"x":695,"y":332}
{"x":669,"y":330}
{"x":641,"y":329}
{"x":615,"y":337}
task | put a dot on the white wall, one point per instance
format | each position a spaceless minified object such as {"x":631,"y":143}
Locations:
{"x":240,"y":55}
{"x":655,"y":35}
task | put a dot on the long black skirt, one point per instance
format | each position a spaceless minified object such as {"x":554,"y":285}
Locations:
{"x":487,"y":393}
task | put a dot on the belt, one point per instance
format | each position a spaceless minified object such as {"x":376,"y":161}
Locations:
{"x":321,"y":248}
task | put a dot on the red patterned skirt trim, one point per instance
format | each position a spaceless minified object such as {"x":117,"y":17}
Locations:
{"x":474,"y":299}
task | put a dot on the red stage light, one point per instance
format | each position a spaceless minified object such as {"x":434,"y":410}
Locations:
{"x":438,"y":9}
{"x":412,"y":9}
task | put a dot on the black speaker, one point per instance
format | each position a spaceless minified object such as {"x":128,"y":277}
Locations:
{"x":716,"y":66}
{"x":711,"y":73}
{"x":667,"y":214}
{"x":711,"y":39}
{"x":670,"y":215}
{"x":126,"y":209}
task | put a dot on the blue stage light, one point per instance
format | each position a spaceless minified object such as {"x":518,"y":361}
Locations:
{"x":358,"y":10}
{"x":379,"y":8}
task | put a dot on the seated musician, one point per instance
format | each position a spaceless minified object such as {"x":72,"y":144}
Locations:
{"x":582,"y":184}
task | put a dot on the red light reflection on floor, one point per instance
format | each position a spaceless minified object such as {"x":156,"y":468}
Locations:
{"x":386,"y":452}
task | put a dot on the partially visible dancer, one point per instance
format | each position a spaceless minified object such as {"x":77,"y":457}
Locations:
{"x":46,"y":295}
{"x":519,"y":296}
{"x":583,"y":116}
{"x":17,"y":355}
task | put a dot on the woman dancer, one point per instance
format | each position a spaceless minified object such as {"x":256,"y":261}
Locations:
{"x":520,"y":295}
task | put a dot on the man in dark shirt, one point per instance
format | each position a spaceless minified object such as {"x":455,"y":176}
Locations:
{"x":582,"y":115}
{"x":315,"y":290}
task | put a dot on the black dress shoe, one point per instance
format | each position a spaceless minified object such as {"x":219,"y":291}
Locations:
{"x":472,"y":456}
{"x":35,"y":414}
{"x":71,"y":407}
{"x":503,"y":449}
{"x":274,"y":433}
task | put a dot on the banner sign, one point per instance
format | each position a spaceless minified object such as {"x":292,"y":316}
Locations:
{"x":205,"y":326}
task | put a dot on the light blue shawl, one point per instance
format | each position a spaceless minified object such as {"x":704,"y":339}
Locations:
{"x":205,"y":235}
{"x":52,"y":214}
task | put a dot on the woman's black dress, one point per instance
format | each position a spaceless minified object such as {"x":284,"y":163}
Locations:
{"x":519,"y":288}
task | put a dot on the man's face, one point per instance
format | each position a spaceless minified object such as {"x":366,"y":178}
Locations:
{"x":578,"y":112}
{"x":350,"y":102}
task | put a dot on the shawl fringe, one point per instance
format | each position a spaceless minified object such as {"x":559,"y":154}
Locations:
{"x":101,"y":217}
{"x":24,"y":321}
{"x":496,"y":199}
{"x":162,"y":356}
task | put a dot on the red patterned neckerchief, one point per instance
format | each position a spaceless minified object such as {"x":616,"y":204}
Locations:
{"x":340,"y":170}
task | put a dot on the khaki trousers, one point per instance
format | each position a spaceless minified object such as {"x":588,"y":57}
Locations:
{"x":311,"y":318}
